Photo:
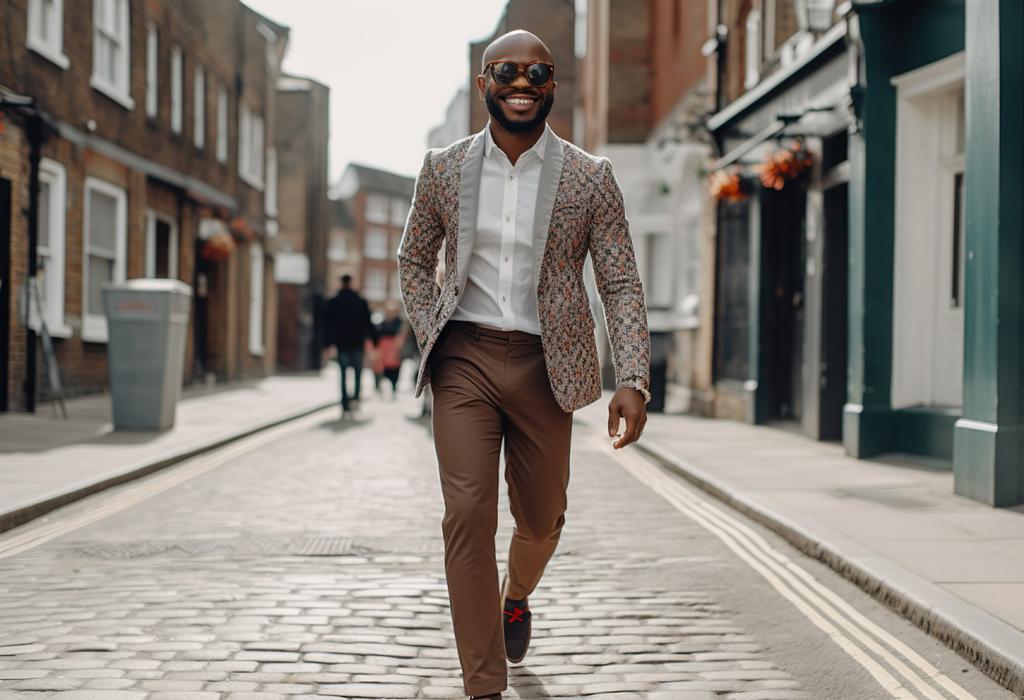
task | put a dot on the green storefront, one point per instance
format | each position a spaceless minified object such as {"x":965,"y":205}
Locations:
{"x":935,"y":307}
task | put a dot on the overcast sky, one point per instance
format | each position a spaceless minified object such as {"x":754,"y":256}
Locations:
{"x":392,"y":67}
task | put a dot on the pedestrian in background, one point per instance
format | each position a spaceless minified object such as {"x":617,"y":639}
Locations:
{"x":387,"y":360}
{"x":507,"y":339}
{"x":347,"y":318}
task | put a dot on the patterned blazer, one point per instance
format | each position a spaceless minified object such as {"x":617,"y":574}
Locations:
{"x":579,"y":210}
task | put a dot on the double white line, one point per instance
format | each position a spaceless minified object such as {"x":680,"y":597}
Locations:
{"x":107,"y":503}
{"x":900,"y":670}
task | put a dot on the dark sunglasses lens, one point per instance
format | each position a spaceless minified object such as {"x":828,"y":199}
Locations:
{"x":504,"y":73}
{"x":538,"y":74}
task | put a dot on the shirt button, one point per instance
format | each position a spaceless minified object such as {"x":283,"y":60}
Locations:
{"x":511,"y":177}
{"x":508,"y":218}
{"x":503,"y":297}
{"x":506,"y":258}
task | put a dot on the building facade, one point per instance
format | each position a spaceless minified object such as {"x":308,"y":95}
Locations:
{"x":304,"y":218}
{"x":134,"y":144}
{"x":378,"y":202}
{"x":644,"y":96}
{"x":869,"y":229}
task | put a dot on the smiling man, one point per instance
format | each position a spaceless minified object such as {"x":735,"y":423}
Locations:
{"x":507,"y":339}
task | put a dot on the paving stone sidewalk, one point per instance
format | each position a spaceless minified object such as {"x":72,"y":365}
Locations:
{"x":45,"y":460}
{"x":951,"y":564}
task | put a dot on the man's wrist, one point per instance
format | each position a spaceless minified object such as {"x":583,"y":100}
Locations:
{"x":641,"y":390}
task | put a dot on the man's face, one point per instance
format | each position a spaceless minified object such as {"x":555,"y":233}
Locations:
{"x":519,"y":106}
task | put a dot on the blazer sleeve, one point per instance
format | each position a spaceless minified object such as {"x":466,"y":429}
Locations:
{"x":618,"y":283}
{"x":417,"y":255}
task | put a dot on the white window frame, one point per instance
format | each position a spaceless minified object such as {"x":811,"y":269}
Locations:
{"x":152,"y":70}
{"x":199,"y":107}
{"x":753,"y":48}
{"x":94,"y":321}
{"x":152,"y":217}
{"x":250,"y":146}
{"x":222,"y":125}
{"x":55,"y":176}
{"x":119,"y":89}
{"x":372,"y":248}
{"x":378,"y":208}
{"x":373,"y":291}
{"x":177,"y":89}
{"x":51,"y":48}
{"x":270,"y":194}
{"x":399,"y":211}
{"x":658,"y":281}
{"x":256,"y":299}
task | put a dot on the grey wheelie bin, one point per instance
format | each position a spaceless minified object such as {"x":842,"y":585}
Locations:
{"x":147,"y":325}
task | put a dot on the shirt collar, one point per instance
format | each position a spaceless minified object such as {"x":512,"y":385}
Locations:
{"x":537,"y":148}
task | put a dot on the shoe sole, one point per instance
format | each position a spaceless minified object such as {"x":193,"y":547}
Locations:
{"x":529,"y":624}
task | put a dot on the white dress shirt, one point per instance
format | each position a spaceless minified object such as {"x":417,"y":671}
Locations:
{"x":500,"y":291}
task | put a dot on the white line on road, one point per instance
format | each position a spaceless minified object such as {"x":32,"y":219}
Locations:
{"x":56,"y":525}
{"x":798,"y":586}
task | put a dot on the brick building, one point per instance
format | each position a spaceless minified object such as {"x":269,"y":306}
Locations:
{"x":150,"y":122}
{"x":304,"y":218}
{"x":378,"y":203}
{"x":643,"y":98}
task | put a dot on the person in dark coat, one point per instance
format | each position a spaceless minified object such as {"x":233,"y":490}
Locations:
{"x":348,"y":325}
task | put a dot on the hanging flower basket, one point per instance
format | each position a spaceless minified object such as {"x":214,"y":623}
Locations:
{"x":218,"y":248}
{"x":241,"y":230}
{"x":728,"y":186}
{"x":785,"y":165}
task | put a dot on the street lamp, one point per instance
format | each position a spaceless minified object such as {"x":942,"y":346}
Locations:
{"x":814,"y":15}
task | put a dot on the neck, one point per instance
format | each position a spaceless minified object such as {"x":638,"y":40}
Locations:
{"x":515,"y":143}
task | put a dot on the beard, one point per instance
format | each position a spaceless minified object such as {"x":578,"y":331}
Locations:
{"x":494,"y":108}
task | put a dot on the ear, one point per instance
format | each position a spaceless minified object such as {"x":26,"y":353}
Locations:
{"x":481,"y":85}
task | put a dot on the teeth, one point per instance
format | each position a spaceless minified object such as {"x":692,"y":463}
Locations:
{"x":519,"y":100}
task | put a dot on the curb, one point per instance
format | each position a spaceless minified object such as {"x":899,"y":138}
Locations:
{"x":991,"y":645}
{"x":23,"y":514}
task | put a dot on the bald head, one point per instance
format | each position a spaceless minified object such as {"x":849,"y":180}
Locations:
{"x":514,"y":44}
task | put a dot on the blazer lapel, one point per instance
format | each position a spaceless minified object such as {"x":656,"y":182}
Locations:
{"x":547,"y":189}
{"x":469,"y":199}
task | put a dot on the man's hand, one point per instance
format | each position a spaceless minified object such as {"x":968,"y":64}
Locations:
{"x":627,"y":403}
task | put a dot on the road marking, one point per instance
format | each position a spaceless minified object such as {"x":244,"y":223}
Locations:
{"x":814,"y":600}
{"x":56,"y":524}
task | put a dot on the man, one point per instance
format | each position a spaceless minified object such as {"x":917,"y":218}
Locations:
{"x":507,"y":339}
{"x":348,"y":326}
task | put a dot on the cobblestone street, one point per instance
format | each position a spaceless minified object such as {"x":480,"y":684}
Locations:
{"x":312,"y":567}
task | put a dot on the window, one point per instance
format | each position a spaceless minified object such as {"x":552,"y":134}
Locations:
{"x":51,"y":249}
{"x":753,"y":49}
{"x":336,"y":249}
{"x":199,"y":107}
{"x":270,"y":198}
{"x":376,"y":245}
{"x":377,"y":208}
{"x":376,"y":287}
{"x":110,"y":51}
{"x":250,"y":146}
{"x":255,"y":299}
{"x":161,"y":246}
{"x":103,"y":261}
{"x":399,"y":211}
{"x":46,"y":30}
{"x":659,"y":270}
{"x":151,"y":71}
{"x":222,"y":125}
{"x":177,"y":71}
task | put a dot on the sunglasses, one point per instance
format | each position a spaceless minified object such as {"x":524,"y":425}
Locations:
{"x":505,"y":72}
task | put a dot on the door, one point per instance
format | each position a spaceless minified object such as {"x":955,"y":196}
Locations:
{"x":834,"y":313}
{"x":783,"y":248}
